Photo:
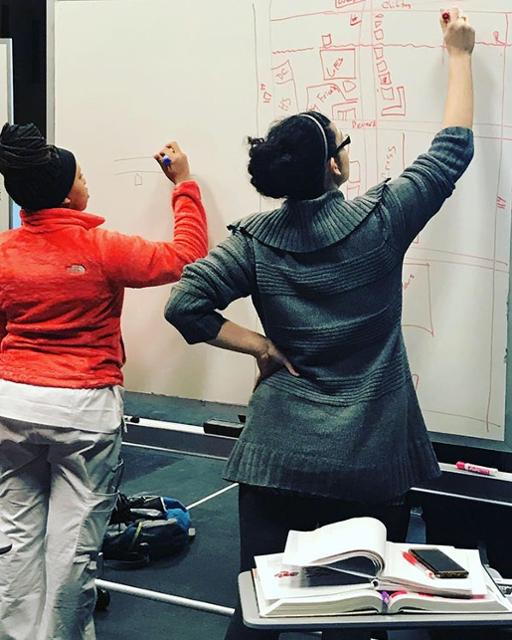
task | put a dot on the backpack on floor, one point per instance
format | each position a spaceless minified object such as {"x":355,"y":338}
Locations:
{"x":145,"y":528}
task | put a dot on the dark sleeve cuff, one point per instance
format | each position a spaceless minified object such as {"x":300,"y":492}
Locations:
{"x":195,"y":325}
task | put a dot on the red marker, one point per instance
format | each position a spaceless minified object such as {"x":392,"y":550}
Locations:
{"x":476,"y":468}
{"x":412,"y":560}
{"x":445,"y":16}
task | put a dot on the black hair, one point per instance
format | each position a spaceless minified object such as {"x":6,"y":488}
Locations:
{"x":290,"y":161}
{"x":36,"y":175}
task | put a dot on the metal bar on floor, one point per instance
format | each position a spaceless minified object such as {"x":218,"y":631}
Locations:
{"x":165,"y":597}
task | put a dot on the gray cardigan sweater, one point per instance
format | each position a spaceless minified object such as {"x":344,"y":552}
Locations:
{"x":325,"y":277}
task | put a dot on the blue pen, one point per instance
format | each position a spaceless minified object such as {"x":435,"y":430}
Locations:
{"x":167,"y":161}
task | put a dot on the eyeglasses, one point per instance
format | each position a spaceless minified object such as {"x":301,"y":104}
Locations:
{"x":343,"y":144}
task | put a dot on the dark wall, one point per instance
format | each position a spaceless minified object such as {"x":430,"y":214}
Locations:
{"x":25,"y":22}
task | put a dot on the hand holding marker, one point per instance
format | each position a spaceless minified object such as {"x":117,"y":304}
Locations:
{"x":459,"y":35}
{"x":173,"y":162}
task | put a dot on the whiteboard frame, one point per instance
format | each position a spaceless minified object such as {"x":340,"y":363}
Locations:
{"x":437,"y":437}
{"x":6,"y":43}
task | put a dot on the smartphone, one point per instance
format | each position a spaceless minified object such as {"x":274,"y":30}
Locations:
{"x":441,"y":565}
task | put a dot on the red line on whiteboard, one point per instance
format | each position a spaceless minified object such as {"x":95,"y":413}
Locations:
{"x":293,"y":50}
{"x":371,"y":11}
{"x":464,"y":255}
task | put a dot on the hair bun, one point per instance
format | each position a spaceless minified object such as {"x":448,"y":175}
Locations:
{"x":22,"y":146}
{"x":268,"y":151}
{"x":290,"y":162}
{"x":271,"y":167}
{"x":255,"y":142}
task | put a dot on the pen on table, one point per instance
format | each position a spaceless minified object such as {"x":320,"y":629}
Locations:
{"x":412,"y":560}
{"x":167,"y":161}
{"x":476,"y":468}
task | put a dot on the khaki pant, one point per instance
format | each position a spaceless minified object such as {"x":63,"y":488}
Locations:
{"x":57,"y":490}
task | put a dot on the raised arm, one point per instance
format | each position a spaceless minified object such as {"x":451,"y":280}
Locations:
{"x":459,"y":39}
{"x":132,"y":261}
{"x":419,"y":192}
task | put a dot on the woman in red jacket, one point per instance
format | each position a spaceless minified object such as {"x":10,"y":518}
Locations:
{"x":62,"y":280}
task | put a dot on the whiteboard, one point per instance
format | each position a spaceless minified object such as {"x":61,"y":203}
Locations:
{"x":6,"y":111}
{"x":131,"y":74}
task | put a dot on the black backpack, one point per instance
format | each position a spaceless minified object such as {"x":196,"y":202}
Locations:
{"x":145,"y":528}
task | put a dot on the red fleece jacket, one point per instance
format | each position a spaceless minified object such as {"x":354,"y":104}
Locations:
{"x":62,"y":283}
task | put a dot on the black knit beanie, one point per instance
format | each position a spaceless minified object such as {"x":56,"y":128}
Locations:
{"x":36,"y":175}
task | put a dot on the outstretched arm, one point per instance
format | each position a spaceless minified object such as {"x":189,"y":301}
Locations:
{"x":459,"y":39}
{"x":419,"y":192}
{"x":132,"y":261}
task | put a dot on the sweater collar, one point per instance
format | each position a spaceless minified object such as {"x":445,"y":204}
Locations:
{"x":302,"y":226}
{"x":46,"y":220}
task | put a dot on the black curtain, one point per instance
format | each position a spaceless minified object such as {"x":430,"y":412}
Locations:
{"x":25,"y":22}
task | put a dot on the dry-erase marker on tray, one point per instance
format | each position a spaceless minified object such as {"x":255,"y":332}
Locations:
{"x":476,"y":468}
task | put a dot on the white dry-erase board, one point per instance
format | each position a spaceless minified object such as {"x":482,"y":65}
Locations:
{"x":6,"y":114}
{"x":132,"y":74}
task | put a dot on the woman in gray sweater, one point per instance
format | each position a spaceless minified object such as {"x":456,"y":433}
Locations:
{"x":334,"y":429}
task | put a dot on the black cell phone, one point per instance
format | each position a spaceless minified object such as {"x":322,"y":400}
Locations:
{"x":441,"y":565}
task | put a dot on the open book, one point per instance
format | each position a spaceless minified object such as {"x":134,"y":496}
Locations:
{"x":365,"y":601}
{"x":355,"y":552}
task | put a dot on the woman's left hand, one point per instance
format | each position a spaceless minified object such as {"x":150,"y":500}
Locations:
{"x":270,"y":360}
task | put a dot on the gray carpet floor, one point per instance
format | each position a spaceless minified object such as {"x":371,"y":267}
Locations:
{"x":206,"y":571}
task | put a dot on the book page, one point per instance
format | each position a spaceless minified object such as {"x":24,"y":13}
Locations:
{"x":279,"y":581}
{"x":399,"y":571}
{"x":362,"y":601}
{"x":493,"y":602}
{"x":333,"y":542}
{"x":421,"y":602}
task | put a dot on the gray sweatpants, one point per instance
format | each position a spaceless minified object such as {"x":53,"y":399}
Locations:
{"x":57,"y":489}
